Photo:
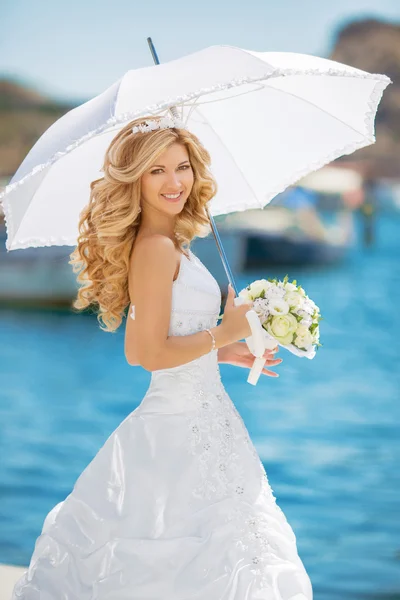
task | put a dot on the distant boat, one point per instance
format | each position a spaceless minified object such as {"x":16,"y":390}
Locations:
{"x":36,"y":276}
{"x":278,"y":235}
{"x":269,"y":249}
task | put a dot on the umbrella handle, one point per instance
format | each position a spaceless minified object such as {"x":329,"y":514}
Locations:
{"x":257,"y":342}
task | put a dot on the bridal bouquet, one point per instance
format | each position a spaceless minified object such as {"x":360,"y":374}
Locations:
{"x":286,"y":313}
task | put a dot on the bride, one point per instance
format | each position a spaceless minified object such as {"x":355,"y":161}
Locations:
{"x":176,"y":505}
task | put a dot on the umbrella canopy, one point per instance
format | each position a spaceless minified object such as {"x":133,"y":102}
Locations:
{"x":267,"y":119}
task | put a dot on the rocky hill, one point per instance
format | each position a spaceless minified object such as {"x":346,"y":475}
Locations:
{"x":24,"y":115}
{"x":374,"y":46}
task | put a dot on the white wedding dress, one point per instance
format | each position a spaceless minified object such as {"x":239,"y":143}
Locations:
{"x":176,"y":505}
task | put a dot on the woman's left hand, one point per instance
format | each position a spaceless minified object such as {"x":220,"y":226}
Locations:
{"x":238,"y":354}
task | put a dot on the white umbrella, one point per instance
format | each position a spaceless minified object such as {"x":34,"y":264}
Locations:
{"x":267,"y":119}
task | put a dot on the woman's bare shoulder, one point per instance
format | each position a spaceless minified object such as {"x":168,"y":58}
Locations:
{"x":153,"y":243}
{"x":156,"y":252}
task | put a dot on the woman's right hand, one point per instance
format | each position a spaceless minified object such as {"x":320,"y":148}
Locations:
{"x":234,"y":321}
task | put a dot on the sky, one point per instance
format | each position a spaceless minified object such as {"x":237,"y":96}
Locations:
{"x":72,"y":51}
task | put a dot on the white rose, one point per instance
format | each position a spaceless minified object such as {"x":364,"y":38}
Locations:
{"x":282,"y":327}
{"x":257,"y":287}
{"x":303,"y":337}
{"x":278,"y":306}
{"x":290,"y":287}
{"x":294,"y":299}
{"x":245,"y":294}
{"x":302,"y":330}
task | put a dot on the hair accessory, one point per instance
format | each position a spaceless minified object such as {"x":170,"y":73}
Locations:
{"x":163,"y":123}
{"x":213,"y":339}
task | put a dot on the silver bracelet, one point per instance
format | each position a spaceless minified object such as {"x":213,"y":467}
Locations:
{"x":213,"y":339}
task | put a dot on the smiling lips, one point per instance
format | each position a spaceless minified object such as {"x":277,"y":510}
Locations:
{"x":172,"y":197}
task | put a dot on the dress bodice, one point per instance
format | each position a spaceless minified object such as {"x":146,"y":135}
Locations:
{"x":195,"y":306}
{"x":196,"y":298}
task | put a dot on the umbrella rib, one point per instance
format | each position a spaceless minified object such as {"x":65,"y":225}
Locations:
{"x":260,"y":87}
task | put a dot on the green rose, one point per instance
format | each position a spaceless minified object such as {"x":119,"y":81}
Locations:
{"x":282,"y":327}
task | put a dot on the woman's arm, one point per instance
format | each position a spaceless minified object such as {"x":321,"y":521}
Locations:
{"x":150,"y":289}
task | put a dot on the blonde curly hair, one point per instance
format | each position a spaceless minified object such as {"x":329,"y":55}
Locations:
{"x":109,"y":223}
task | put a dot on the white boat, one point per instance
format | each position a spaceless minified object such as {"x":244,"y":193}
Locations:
{"x":35,"y":276}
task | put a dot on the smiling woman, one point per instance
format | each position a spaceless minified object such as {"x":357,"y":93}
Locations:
{"x":176,"y":503}
{"x":166,"y":187}
{"x":171,"y":180}
{"x":141,"y":171}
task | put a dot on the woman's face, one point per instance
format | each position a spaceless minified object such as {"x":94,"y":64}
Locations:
{"x":166,"y":185}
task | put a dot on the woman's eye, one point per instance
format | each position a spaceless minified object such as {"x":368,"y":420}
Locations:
{"x":184,"y":167}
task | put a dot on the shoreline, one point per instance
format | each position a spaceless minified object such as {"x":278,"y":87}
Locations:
{"x":9,"y":575}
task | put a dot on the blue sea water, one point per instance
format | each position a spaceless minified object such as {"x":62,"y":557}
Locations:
{"x":327,"y":430}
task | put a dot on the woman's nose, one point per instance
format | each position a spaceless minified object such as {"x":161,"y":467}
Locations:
{"x":174,"y":180}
